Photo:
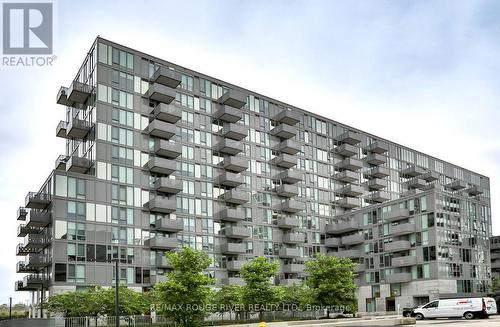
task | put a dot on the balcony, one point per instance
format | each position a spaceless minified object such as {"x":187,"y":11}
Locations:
{"x":160,"y":93}
{"x":37,"y":200}
{"x":332,"y":242}
{"x":236,"y":232}
{"x":353,"y":239}
{"x":21,"y":250}
{"x":287,"y":191}
{"x":62,"y":97}
{"x":61,"y":129}
{"x":230,"y":214}
{"x":378,"y":172}
{"x":348,"y":203}
{"x":375,"y":159}
{"x":162,"y":261}
{"x":61,"y":161}
{"x":161,"y":129}
{"x":77,"y":128}
{"x":37,"y":261}
{"x":34,"y":281}
{"x":235,"y":196}
{"x":346,"y":176}
{"x":342,"y":227}
{"x":235,"y":164}
{"x":161,"y":243}
{"x":234,"y":131}
{"x":169,"y":225}
{"x":288,"y":253}
{"x":349,"y":138}
{"x":168,"y":185}
{"x":293,"y":268}
{"x":159,"y":278}
{"x":21,"y":267}
{"x":38,"y":219}
{"x":161,"y":204}
{"x":228,"y":146}
{"x":395,"y":278}
{"x":403,"y":229}
{"x":234,"y":265}
{"x":290,"y":281}
{"x":167,"y":113}
{"x":292,"y":206}
{"x":288,"y":146}
{"x":430,"y":176}
{"x":23,"y":230}
{"x":78,"y":92}
{"x":350,"y":164}
{"x":404,"y":261}
{"x":161,"y":166}
{"x":346,"y":150}
{"x":376,"y":184}
{"x":21,"y":213}
{"x":287,"y":222}
{"x":232,"y":248}
{"x":416,"y":183}
{"x":290,"y":176}
{"x":396,"y":214}
{"x":378,"y":197}
{"x":412,"y":171}
{"x":397,"y":246}
{"x":235,"y":281}
{"x":78,"y":164}
{"x":167,"y":149}
{"x":350,"y":190}
{"x":377,"y":147}
{"x":457,"y":185}
{"x":474,"y":190}
{"x":167,"y":77}
{"x":293,"y":238}
{"x":229,"y":179}
{"x":228,"y":114}
{"x":285,"y":160}
{"x":33,"y":243}
{"x":287,"y":116}
{"x":351,"y":253}
{"x":233,"y":98}
{"x":284,"y":131}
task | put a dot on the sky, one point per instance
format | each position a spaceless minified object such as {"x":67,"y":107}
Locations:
{"x":424,"y":74}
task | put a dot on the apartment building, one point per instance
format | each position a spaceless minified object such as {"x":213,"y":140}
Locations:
{"x":159,"y":156}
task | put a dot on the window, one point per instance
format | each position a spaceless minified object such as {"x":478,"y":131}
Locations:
{"x":60,"y":272}
{"x":61,"y":230}
{"x":122,"y":136}
{"x":112,"y":56}
{"x":122,"y":174}
{"x":76,"y":252}
{"x":186,"y":83}
{"x":76,"y":188}
{"x":122,"y":215}
{"x":433,"y":304}
{"x":114,"y":96}
{"x":76,"y":210}
{"x":122,"y":195}
{"x":76,"y":231}
{"x":122,"y":155}
{"x":123,"y":117}
{"x":76,"y":273}
{"x":395,"y":290}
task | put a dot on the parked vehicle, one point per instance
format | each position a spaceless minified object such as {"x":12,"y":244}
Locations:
{"x":469,"y":308}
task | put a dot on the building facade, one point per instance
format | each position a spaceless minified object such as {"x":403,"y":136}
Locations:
{"x":495,"y":256}
{"x":158,"y":156}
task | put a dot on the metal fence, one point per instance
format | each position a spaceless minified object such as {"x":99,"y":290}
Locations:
{"x":160,"y":321}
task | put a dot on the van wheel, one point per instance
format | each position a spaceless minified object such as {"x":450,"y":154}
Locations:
{"x":419,"y":316}
{"x":468,"y":315}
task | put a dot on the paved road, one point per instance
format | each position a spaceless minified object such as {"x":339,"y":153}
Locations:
{"x":490,"y":322}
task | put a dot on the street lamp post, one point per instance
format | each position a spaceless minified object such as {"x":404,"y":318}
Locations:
{"x":117,"y":284}
{"x":10,"y":307}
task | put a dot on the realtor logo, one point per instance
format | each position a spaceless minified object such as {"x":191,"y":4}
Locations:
{"x":27,"y":28}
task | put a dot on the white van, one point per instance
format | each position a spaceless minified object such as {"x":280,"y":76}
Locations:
{"x":469,"y":308}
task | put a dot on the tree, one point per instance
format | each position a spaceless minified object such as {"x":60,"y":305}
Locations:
{"x":229,"y":299}
{"x":186,"y":294}
{"x":96,"y":301}
{"x":495,"y":284}
{"x":296,"y":297}
{"x":331,"y":281}
{"x":258,"y":291}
